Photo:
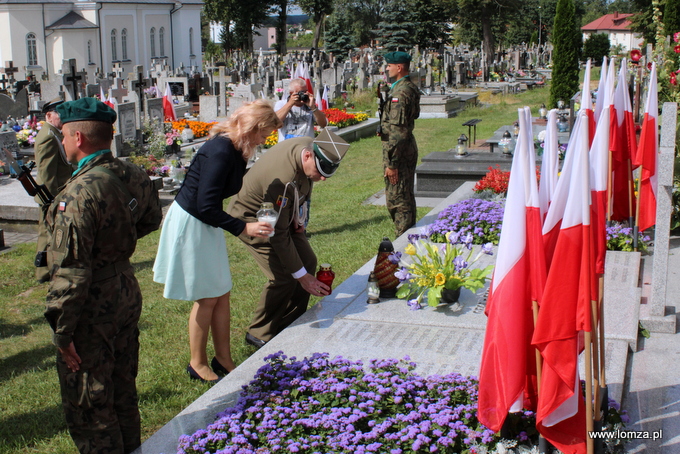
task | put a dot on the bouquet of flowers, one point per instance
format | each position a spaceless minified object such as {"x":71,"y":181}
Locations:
{"x":430,"y":267}
{"x":495,"y":180}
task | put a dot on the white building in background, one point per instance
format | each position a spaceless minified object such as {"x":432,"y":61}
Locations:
{"x":38,"y":35}
{"x":617,"y":27}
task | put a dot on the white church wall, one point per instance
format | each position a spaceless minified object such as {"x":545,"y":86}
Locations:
{"x":186,"y":28}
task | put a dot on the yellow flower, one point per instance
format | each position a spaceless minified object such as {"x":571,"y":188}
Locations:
{"x":439,"y":279}
{"x":410,"y":249}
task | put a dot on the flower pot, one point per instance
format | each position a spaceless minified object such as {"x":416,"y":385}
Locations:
{"x":173,"y":149}
{"x":450,"y":296}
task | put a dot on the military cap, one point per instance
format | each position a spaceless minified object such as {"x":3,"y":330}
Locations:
{"x":86,"y":109}
{"x":397,"y":57}
{"x":49,"y":106}
{"x":329,"y":149}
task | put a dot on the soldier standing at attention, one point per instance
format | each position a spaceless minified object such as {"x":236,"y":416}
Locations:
{"x":94,"y":301}
{"x":400,"y":152}
{"x":53,"y":171}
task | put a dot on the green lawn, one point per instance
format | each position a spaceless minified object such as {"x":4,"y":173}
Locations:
{"x":345,"y":233}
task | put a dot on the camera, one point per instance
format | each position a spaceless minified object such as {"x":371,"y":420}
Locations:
{"x":303,"y":96}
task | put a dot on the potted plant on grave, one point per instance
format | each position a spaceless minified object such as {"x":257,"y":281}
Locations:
{"x":439,"y":271}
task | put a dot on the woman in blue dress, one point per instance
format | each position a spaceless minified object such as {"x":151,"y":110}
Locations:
{"x":192,"y":258}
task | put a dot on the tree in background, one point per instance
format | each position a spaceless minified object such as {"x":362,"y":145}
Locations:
{"x":317,"y":10}
{"x":281,"y":26}
{"x":566,"y":40}
{"x":339,"y":39}
{"x":397,"y":29}
{"x":671,"y":17}
{"x":238,"y":18}
{"x":643,"y":21}
{"x":596,"y":47}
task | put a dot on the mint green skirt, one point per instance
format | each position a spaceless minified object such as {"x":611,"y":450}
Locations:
{"x":192,"y":258}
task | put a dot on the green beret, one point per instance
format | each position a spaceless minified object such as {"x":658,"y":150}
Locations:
{"x":397,"y":57}
{"x":86,"y":109}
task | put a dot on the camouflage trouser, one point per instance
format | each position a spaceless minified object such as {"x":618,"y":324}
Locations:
{"x":100,"y":400}
{"x":400,"y":198}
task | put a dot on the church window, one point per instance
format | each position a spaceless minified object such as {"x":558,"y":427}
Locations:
{"x":191,"y":41}
{"x":32,"y":52}
{"x":152,"y":39}
{"x":123,"y":43}
{"x":161,"y":41}
{"x":114,"y":51}
{"x":89,"y":51}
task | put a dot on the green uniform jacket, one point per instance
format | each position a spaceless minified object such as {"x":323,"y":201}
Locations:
{"x":266,"y":182}
{"x":53,"y":168}
{"x":402,"y":107}
{"x":93,"y":233}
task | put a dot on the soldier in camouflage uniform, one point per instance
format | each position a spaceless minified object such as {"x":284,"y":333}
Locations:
{"x":400,"y":152}
{"x":53,"y":169}
{"x":94,"y":301}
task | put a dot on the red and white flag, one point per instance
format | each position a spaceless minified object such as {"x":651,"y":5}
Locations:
{"x":623,"y":146}
{"x":168,"y":106}
{"x":550,"y":163}
{"x":507,"y":379}
{"x":599,"y":169}
{"x":324,"y":99}
{"x":599,"y":102}
{"x":104,"y":99}
{"x":647,"y":156}
{"x":587,"y":102}
{"x":565,"y":308}
{"x":302,"y":72}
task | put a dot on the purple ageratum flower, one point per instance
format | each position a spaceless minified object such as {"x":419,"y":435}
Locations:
{"x":395,"y":257}
{"x":414,"y":304}
{"x":413,"y":238}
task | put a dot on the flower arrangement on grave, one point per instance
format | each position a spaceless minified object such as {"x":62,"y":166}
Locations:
{"x":481,"y":218}
{"x":26,"y":132}
{"x":426,"y":268}
{"x":342,"y":118}
{"x":152,"y":165}
{"x":199,"y":128}
{"x":620,"y":238}
{"x":279,"y":92}
{"x":319,"y":404}
{"x":495,"y":181}
{"x":272,"y":139}
{"x":173,"y":137}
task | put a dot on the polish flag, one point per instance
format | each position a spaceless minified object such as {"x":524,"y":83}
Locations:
{"x":168,"y":106}
{"x":550,"y":164}
{"x":104,"y":99}
{"x":599,"y":168}
{"x":587,"y":102}
{"x":623,"y":146}
{"x":599,"y":103}
{"x":565,"y":308}
{"x":324,"y":99}
{"x":647,"y":156}
{"x":507,"y":379}
{"x":302,"y":72}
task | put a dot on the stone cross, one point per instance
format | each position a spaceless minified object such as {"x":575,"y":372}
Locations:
{"x":73,"y":78}
{"x":117,"y":70}
{"x":139,"y":85}
{"x":4,"y":82}
{"x":9,"y":69}
{"x":118,"y":90}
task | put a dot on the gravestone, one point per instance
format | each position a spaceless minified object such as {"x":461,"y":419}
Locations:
{"x":117,"y":70}
{"x":118,"y":90}
{"x":154,"y":109}
{"x":208,"y":108}
{"x":653,"y":314}
{"x":244,"y":91}
{"x":8,"y":140}
{"x":235,"y":103}
{"x":126,"y":124}
{"x":72,"y":79}
{"x":17,"y":108}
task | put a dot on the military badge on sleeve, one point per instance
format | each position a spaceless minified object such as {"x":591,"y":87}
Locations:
{"x":58,"y":238}
{"x":282,"y":201}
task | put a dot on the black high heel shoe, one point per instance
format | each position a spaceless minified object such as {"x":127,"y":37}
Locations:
{"x":218,"y":368}
{"x":194,"y":375}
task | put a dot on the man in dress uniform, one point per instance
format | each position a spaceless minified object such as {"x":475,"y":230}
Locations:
{"x":53,"y":171}
{"x":400,"y":152}
{"x":94,"y":301}
{"x":285,"y":176}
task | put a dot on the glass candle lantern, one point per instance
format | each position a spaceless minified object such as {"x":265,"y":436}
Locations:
{"x":461,"y":148}
{"x":505,"y":144}
{"x":543,"y":112}
{"x":325,"y":274}
{"x":267,"y":214}
{"x":372,"y":289}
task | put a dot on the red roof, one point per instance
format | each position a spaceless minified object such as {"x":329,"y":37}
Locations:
{"x":615,"y":21}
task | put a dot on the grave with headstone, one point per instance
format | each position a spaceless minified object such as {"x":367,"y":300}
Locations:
{"x":127,"y":129}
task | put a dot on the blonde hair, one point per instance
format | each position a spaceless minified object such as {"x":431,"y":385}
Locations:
{"x":246,"y":123}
